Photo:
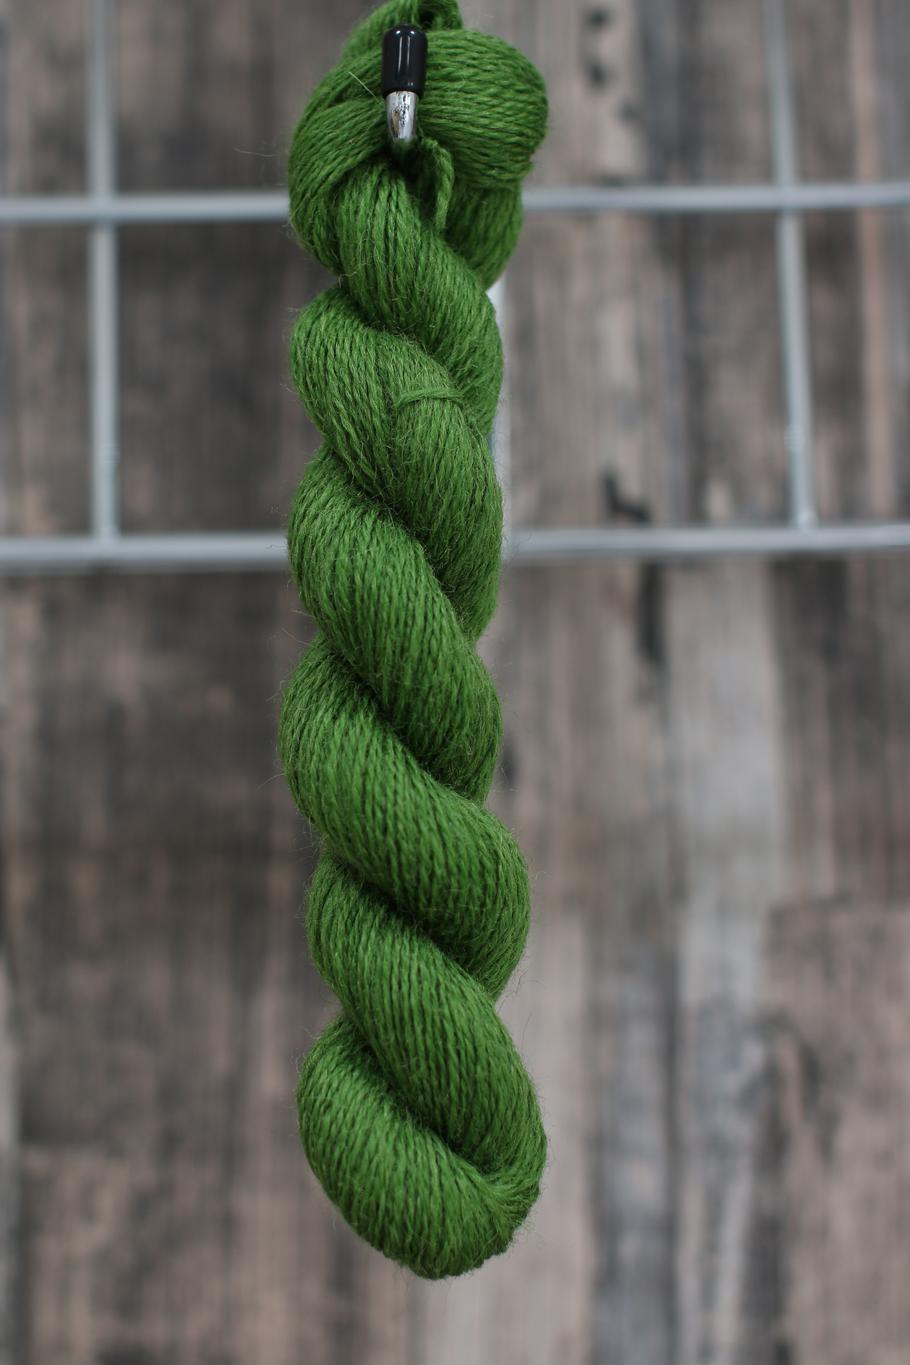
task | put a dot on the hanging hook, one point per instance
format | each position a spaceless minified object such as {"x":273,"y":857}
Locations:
{"x":404,"y":66}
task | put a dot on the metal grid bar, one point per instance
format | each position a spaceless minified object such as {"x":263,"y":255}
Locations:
{"x":271,"y":206}
{"x":215,"y":551}
{"x":791,"y":274}
{"x":104,"y":211}
{"x":102,"y":279}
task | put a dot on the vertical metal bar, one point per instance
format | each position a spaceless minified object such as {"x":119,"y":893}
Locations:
{"x":791,"y":273}
{"x":102,"y":282}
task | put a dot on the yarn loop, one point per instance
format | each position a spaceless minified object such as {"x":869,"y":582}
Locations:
{"x":415,"y":1110}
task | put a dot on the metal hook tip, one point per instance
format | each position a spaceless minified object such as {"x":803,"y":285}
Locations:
{"x":401,"y":116}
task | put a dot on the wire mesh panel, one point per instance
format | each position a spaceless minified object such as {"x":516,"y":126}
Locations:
{"x":104,"y":212}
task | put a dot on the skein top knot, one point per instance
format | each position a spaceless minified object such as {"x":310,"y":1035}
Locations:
{"x":484,"y":109}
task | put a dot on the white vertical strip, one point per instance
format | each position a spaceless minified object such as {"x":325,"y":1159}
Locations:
{"x":501,"y":441}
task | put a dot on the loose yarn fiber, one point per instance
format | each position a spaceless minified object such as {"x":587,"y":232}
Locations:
{"x":415,"y":1110}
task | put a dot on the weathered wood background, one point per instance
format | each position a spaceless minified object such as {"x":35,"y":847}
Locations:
{"x":707,"y":766}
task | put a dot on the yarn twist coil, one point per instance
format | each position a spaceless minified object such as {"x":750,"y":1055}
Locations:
{"x":415,"y":1110}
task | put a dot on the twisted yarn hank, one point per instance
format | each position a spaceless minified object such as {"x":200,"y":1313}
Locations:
{"x":415,"y":1110}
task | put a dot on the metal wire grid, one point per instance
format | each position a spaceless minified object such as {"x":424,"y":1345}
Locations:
{"x":103,"y":210}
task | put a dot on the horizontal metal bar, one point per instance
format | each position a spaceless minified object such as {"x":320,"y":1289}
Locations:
{"x":268,"y":206}
{"x":261,"y":206}
{"x":531,"y":545}
{"x":203,"y":551}
{"x":542,"y":545}
{"x":697,"y":199}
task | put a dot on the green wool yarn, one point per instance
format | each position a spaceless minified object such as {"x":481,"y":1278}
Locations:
{"x":415,"y":1110}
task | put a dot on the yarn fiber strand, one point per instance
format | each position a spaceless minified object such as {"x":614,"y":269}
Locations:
{"x":415,"y":1110}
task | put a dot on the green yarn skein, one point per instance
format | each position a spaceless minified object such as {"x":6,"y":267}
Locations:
{"x":415,"y":1110}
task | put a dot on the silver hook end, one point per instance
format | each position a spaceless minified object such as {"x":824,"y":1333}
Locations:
{"x":401,"y":116}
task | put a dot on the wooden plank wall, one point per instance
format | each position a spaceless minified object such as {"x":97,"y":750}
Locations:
{"x":706,"y":765}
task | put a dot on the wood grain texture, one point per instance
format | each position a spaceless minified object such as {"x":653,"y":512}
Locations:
{"x":853,"y":121}
{"x":217,"y":442}
{"x":837,"y":1095}
{"x":10,"y":1185}
{"x":43,"y":369}
{"x":705,"y":766}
